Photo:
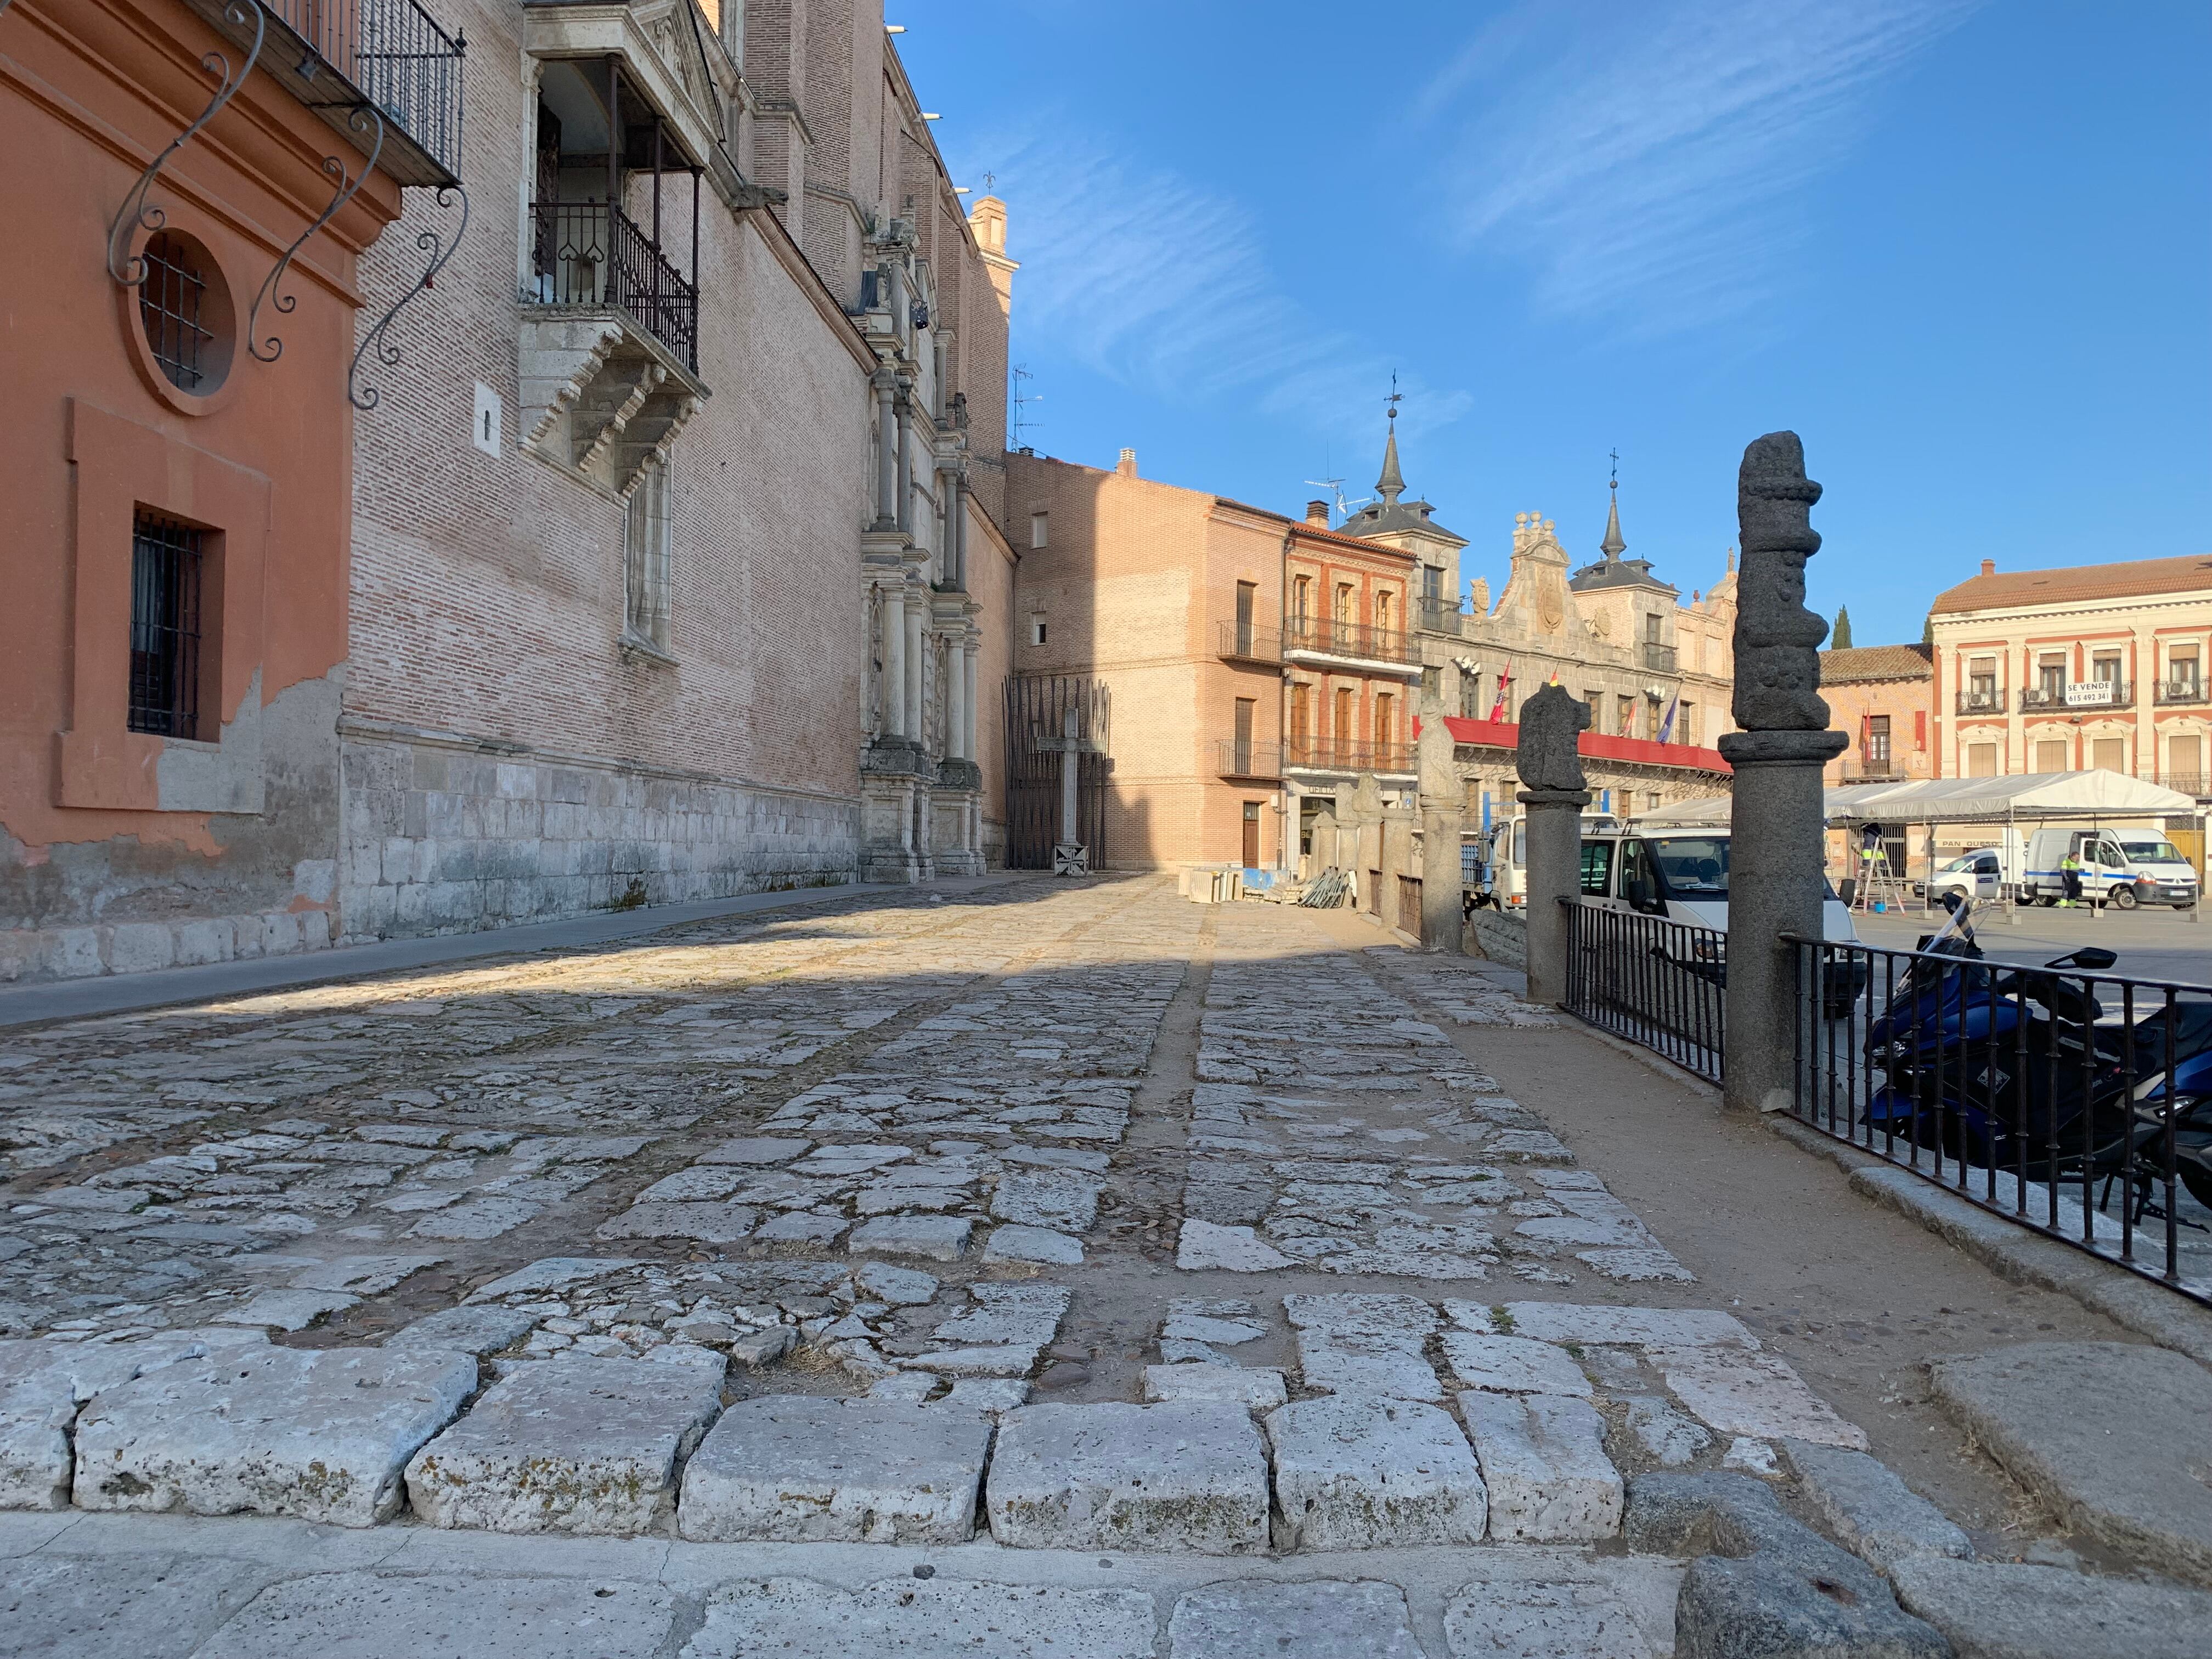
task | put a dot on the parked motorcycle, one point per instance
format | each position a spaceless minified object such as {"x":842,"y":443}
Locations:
{"x":2019,"y":1070}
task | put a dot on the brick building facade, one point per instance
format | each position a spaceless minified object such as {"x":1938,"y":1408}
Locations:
{"x":662,"y":559}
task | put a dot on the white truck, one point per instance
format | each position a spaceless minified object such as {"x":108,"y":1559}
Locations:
{"x":2121,"y":868}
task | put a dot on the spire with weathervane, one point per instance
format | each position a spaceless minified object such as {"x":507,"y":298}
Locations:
{"x":1613,"y":547}
{"x":1392,"y":483}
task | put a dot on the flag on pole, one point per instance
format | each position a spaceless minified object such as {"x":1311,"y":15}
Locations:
{"x":1554,"y":680}
{"x":1666,"y":725}
{"x":1504,"y":680}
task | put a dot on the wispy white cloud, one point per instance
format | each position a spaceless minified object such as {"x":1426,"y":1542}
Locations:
{"x":1649,"y":166}
{"x":1161,"y":284}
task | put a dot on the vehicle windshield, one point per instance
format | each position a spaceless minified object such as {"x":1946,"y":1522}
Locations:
{"x":1965,"y":863}
{"x":1692,"y":866}
{"x":2157,"y":850}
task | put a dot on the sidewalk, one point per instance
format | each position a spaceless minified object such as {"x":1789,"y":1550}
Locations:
{"x":1060,"y":1267}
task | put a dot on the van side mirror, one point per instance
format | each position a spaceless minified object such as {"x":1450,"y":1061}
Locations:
{"x":1642,"y":897}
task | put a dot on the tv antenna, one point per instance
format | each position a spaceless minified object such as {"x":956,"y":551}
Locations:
{"x":1345,"y":509}
{"x":1024,"y":422}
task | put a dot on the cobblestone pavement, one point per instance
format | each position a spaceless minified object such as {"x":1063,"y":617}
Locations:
{"x":1060,"y":1268}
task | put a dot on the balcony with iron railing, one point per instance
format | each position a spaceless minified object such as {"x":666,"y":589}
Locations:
{"x":2036,"y":699}
{"x":1355,"y":642}
{"x":2177,"y":694}
{"x":1347,"y":756}
{"x":1240,"y":642}
{"x":1657,"y":658}
{"x":2198,"y":784}
{"x":1243,"y":759}
{"x":1872,"y":765}
{"x":593,"y":253}
{"x":337,"y":56}
{"x":1441,"y":616}
{"x":1982,"y":702}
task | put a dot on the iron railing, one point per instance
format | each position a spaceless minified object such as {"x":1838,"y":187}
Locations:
{"x":2032,"y":697}
{"x":1361,"y":641}
{"x":2171,"y":693}
{"x":1036,"y":708}
{"x":1246,"y":759}
{"x":1871,"y":768}
{"x":1657,"y":658}
{"x":396,"y":53}
{"x":1981,"y":702}
{"x":1658,"y":983}
{"x":2198,"y":784}
{"x":1440,"y":617}
{"x":1240,"y":642}
{"x":1329,"y":755}
{"x":592,"y":253}
{"x":2041,"y":1095}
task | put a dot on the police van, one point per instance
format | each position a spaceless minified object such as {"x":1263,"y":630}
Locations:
{"x":2119,"y":867}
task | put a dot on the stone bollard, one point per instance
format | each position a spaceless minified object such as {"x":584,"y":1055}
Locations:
{"x":1778,"y":808}
{"x":1553,"y":790}
{"x":1443,"y":807}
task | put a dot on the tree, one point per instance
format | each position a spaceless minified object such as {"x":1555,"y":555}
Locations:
{"x":1842,"y":642}
{"x":1928,"y":630}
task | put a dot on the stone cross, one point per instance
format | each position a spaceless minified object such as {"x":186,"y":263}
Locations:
{"x":1070,"y":857}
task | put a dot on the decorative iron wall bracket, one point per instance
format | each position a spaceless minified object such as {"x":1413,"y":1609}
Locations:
{"x":362,"y":119}
{"x":366,"y":397}
{"x":135,"y":215}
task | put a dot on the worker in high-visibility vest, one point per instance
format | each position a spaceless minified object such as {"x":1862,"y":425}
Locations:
{"x":2070,"y":871}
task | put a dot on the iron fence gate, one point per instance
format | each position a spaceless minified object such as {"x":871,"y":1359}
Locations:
{"x":1657,"y":982}
{"x":1037,"y":706}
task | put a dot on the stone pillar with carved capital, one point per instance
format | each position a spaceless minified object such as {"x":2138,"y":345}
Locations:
{"x":1777,"y":882}
{"x":916,"y":728}
{"x":904,"y":438}
{"x":887,"y":434}
{"x":968,"y":698}
{"x":1554,"y":791}
{"x":892,"y":620}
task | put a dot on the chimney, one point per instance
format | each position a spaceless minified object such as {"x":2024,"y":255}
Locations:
{"x":1127,"y":466}
{"x":1988,"y":566}
{"x":1317,"y":513}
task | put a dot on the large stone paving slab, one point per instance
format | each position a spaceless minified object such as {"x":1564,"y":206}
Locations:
{"x":931,"y":1619}
{"x":1189,"y":1476}
{"x":573,"y":1444}
{"x":320,"y":1435}
{"x":1543,"y":1460}
{"x":1357,"y":1474}
{"x":1524,"y":1620}
{"x":1265,"y":1620}
{"x":797,"y":1469}
{"x":377,"y":1615}
{"x":153,"y":1606}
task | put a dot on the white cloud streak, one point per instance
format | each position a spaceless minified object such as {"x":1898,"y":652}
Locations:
{"x":1162,"y":285}
{"x":1649,"y":166}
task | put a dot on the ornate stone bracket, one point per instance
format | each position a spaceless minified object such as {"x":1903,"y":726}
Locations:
{"x":600,"y":396}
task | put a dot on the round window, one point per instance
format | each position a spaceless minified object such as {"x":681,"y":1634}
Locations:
{"x":184,"y":305}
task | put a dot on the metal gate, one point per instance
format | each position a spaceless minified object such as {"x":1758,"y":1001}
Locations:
{"x":1036,"y":709}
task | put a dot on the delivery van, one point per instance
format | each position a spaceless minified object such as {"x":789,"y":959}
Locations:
{"x":2119,"y":867}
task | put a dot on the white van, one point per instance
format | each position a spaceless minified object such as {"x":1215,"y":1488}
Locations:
{"x":1679,"y":874}
{"x":2119,"y":867}
{"x":1979,"y":875}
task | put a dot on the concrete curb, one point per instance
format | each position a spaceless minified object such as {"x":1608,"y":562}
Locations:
{"x":2014,"y":1253}
{"x":115,"y":993}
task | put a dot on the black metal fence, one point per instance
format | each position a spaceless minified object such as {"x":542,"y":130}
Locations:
{"x":1655,"y":983}
{"x":2061,"y":1098}
{"x":396,"y":53}
{"x":1037,"y":707}
{"x":590,"y":253}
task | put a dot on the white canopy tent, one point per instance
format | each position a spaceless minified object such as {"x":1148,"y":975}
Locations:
{"x":2024,"y":798}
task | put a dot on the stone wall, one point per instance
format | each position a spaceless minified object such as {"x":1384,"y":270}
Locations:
{"x":1502,"y":937}
{"x":443,"y":836}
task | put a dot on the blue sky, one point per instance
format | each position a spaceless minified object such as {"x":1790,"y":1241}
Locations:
{"x":1964,"y":249}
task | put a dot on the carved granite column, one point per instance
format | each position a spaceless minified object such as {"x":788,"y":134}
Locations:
{"x":892,"y":614}
{"x":904,"y":406}
{"x":887,"y":430}
{"x":916,"y":723}
{"x":968,"y":698}
{"x":1442,"y":805}
{"x":1776,"y":879}
{"x":1554,"y":791}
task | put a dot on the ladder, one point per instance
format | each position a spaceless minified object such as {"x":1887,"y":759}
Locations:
{"x":1877,"y":882}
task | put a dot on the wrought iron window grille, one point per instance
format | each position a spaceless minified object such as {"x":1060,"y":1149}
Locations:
{"x":172,"y":294}
{"x":166,"y":567}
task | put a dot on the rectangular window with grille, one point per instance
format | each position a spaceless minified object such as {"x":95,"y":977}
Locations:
{"x":645,"y":557}
{"x":166,"y":560}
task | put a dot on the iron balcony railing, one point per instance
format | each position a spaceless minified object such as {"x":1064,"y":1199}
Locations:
{"x":1657,"y":658}
{"x":1361,"y":641}
{"x":1991,"y":702}
{"x":1246,"y":759}
{"x":1329,"y":755}
{"x":2060,"y":1097}
{"x":395,"y":53}
{"x":1658,"y":983}
{"x":1871,"y":768}
{"x":1440,"y":617}
{"x":2173,"y":693}
{"x":2198,"y":784}
{"x":591,"y":253}
{"x":1240,"y":642}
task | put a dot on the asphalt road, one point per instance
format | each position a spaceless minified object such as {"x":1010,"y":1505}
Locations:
{"x":2159,"y":944}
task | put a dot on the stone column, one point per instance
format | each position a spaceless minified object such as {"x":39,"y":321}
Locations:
{"x":968,"y":700}
{"x":1442,"y":805}
{"x":905,"y":480}
{"x":959,"y":536}
{"x":1778,"y":808}
{"x":1553,"y":790}
{"x":955,"y":720}
{"x":915,"y":727}
{"x":887,"y":428}
{"x":893,"y":612}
